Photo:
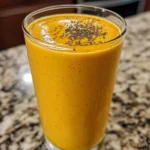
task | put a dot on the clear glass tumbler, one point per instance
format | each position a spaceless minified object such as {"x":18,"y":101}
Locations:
{"x":73,"y":88}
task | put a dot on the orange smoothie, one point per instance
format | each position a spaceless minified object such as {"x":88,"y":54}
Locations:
{"x":74,"y":75}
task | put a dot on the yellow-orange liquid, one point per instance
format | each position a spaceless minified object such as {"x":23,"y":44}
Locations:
{"x":73,"y":87}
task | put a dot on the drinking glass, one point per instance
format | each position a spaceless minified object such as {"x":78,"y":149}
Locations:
{"x":73,"y":89}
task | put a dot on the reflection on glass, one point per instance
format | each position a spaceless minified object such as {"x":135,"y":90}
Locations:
{"x":27,"y":78}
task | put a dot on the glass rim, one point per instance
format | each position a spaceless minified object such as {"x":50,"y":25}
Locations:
{"x":71,"y":6}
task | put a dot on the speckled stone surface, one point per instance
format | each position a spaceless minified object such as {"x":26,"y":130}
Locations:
{"x":129,"y":121}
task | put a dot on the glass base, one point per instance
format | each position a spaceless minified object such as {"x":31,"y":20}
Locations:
{"x":50,"y":146}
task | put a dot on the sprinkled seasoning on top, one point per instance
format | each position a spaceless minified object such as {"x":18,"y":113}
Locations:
{"x":81,"y":32}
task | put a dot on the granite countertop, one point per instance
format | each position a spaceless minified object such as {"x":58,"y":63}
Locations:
{"x":129,"y":121}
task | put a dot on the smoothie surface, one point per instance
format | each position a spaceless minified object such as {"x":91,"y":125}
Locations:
{"x":75,"y":31}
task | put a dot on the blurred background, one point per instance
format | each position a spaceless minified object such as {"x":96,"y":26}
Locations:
{"x":12,"y":13}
